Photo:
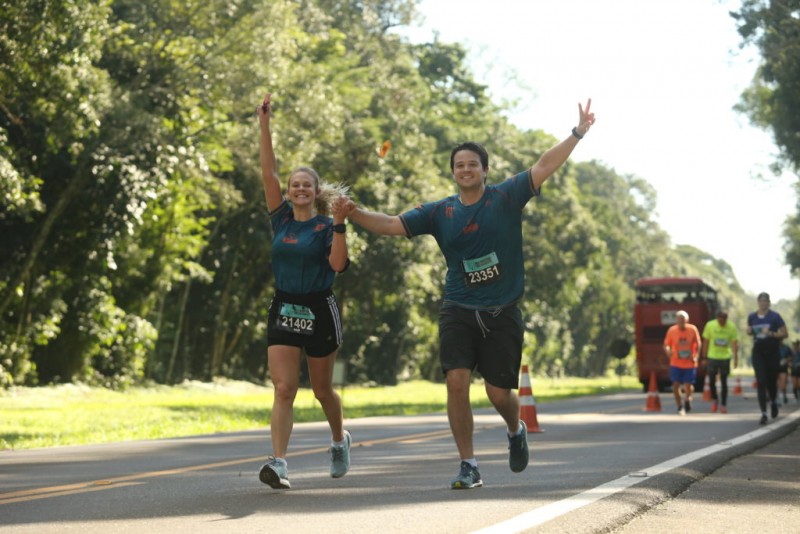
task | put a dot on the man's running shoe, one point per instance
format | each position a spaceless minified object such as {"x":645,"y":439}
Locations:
{"x":467,"y":478}
{"x":687,"y":406}
{"x":275,"y":474}
{"x":723,"y":409}
{"x":714,"y":407}
{"x":774,"y":410}
{"x":340,"y":457}
{"x":518,"y":454}
{"x":681,"y":411}
{"x":763,"y":420}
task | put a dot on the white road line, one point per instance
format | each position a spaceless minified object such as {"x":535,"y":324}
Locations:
{"x":556,"y":509}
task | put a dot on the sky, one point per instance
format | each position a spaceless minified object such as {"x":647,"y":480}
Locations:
{"x":663,"y":76}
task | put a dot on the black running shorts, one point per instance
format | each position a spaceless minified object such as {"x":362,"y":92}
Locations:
{"x":489,"y":342}
{"x":310,"y":321}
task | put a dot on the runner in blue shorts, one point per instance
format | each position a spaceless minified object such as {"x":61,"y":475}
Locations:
{"x":479,"y":231}
{"x":308,"y":249}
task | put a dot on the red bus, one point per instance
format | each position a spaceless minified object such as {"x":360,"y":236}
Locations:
{"x":657,"y":301}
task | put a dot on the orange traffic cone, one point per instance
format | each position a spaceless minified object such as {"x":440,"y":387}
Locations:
{"x":707,"y":389}
{"x":755,"y":384}
{"x":653,"y":400}
{"x":737,"y":389}
{"x":527,"y":404}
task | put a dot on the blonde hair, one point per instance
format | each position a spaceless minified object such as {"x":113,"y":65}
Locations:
{"x":325,"y":193}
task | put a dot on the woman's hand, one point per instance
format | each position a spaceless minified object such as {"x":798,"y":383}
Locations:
{"x":340,"y":208}
{"x":264,"y":111}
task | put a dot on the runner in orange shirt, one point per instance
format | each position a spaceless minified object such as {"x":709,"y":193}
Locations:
{"x":682,"y":346}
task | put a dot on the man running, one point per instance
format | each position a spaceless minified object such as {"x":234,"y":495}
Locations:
{"x":479,"y":231}
{"x":682,"y":345}
{"x":720,"y":342}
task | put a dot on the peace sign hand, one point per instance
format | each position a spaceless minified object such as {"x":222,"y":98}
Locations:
{"x":585,"y":118}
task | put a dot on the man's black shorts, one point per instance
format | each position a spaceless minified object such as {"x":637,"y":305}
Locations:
{"x":327,"y":324}
{"x":490,"y":342}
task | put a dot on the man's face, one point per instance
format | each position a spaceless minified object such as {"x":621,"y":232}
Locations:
{"x":763,"y":304}
{"x":680,"y":320}
{"x":467,"y":170}
{"x":722,"y":319}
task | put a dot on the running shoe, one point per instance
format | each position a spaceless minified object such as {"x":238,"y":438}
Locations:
{"x":275,"y":474}
{"x":681,"y":411}
{"x":687,"y":406}
{"x":714,"y":407}
{"x":763,"y":420}
{"x":518,"y":453}
{"x":468,"y":478}
{"x":340,"y":457}
{"x":723,"y":409}
{"x":774,"y":410}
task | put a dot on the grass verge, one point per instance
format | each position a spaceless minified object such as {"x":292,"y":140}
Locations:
{"x":77,"y":415}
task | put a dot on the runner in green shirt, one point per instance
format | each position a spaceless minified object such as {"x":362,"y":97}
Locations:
{"x":720,"y":342}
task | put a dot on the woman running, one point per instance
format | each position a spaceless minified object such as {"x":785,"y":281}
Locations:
{"x":308,"y":249}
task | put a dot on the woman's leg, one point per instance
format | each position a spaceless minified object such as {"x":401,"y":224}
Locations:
{"x":320,"y":372}
{"x":284,"y":371}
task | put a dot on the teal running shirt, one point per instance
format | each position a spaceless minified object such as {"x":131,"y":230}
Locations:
{"x":300,"y":252}
{"x":481,"y":243}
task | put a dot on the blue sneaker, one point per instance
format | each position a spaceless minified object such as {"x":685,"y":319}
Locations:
{"x":518,"y":454}
{"x":340,"y":457}
{"x":275,"y":474}
{"x":467,"y":478}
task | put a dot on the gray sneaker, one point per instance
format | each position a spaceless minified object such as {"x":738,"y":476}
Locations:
{"x":275,"y":474}
{"x":467,"y":478}
{"x":340,"y":457}
{"x":518,"y":454}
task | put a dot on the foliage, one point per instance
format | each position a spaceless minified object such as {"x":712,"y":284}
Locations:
{"x":773,"y":100}
{"x":136,"y":243}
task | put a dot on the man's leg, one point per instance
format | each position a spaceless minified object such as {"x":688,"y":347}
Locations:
{"x":459,"y":411}
{"x":676,"y":392}
{"x":711,"y":369}
{"x":723,"y":381}
{"x":506,"y":402}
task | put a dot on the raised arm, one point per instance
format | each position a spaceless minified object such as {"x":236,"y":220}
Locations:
{"x":338,"y":257}
{"x":269,"y":166}
{"x":557,"y":155}
{"x":377,"y":223}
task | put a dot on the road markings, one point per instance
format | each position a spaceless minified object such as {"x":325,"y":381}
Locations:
{"x":127,"y":480}
{"x":545,"y":513}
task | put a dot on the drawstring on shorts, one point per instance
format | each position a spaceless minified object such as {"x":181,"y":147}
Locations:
{"x":484,"y":330}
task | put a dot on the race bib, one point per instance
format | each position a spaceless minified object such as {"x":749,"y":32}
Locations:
{"x":684,"y":354}
{"x":296,"y":319}
{"x":721,"y":342}
{"x":482,"y":271}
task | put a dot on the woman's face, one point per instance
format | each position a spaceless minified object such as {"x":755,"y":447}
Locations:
{"x":302,"y":189}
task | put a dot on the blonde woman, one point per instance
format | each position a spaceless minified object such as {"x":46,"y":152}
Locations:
{"x":308,"y":249}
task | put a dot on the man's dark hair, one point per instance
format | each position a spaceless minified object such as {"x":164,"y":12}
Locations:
{"x":472,"y":146}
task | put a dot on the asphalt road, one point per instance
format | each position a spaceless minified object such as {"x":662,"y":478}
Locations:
{"x":600,"y":461}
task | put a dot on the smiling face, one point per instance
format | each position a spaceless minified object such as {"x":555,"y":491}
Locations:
{"x":303,"y":188}
{"x":468,"y":171}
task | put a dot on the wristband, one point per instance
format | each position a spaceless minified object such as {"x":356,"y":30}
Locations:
{"x":340,"y":228}
{"x":575,"y":133}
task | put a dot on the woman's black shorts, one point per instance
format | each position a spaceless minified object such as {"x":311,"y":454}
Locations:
{"x":311,"y":321}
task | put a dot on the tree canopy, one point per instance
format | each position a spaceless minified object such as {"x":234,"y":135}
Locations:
{"x":135,"y":239}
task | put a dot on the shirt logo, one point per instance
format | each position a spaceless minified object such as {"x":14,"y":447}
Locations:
{"x":471,"y":228}
{"x":448,"y":212}
{"x":290,"y":239}
{"x":320,"y":226}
